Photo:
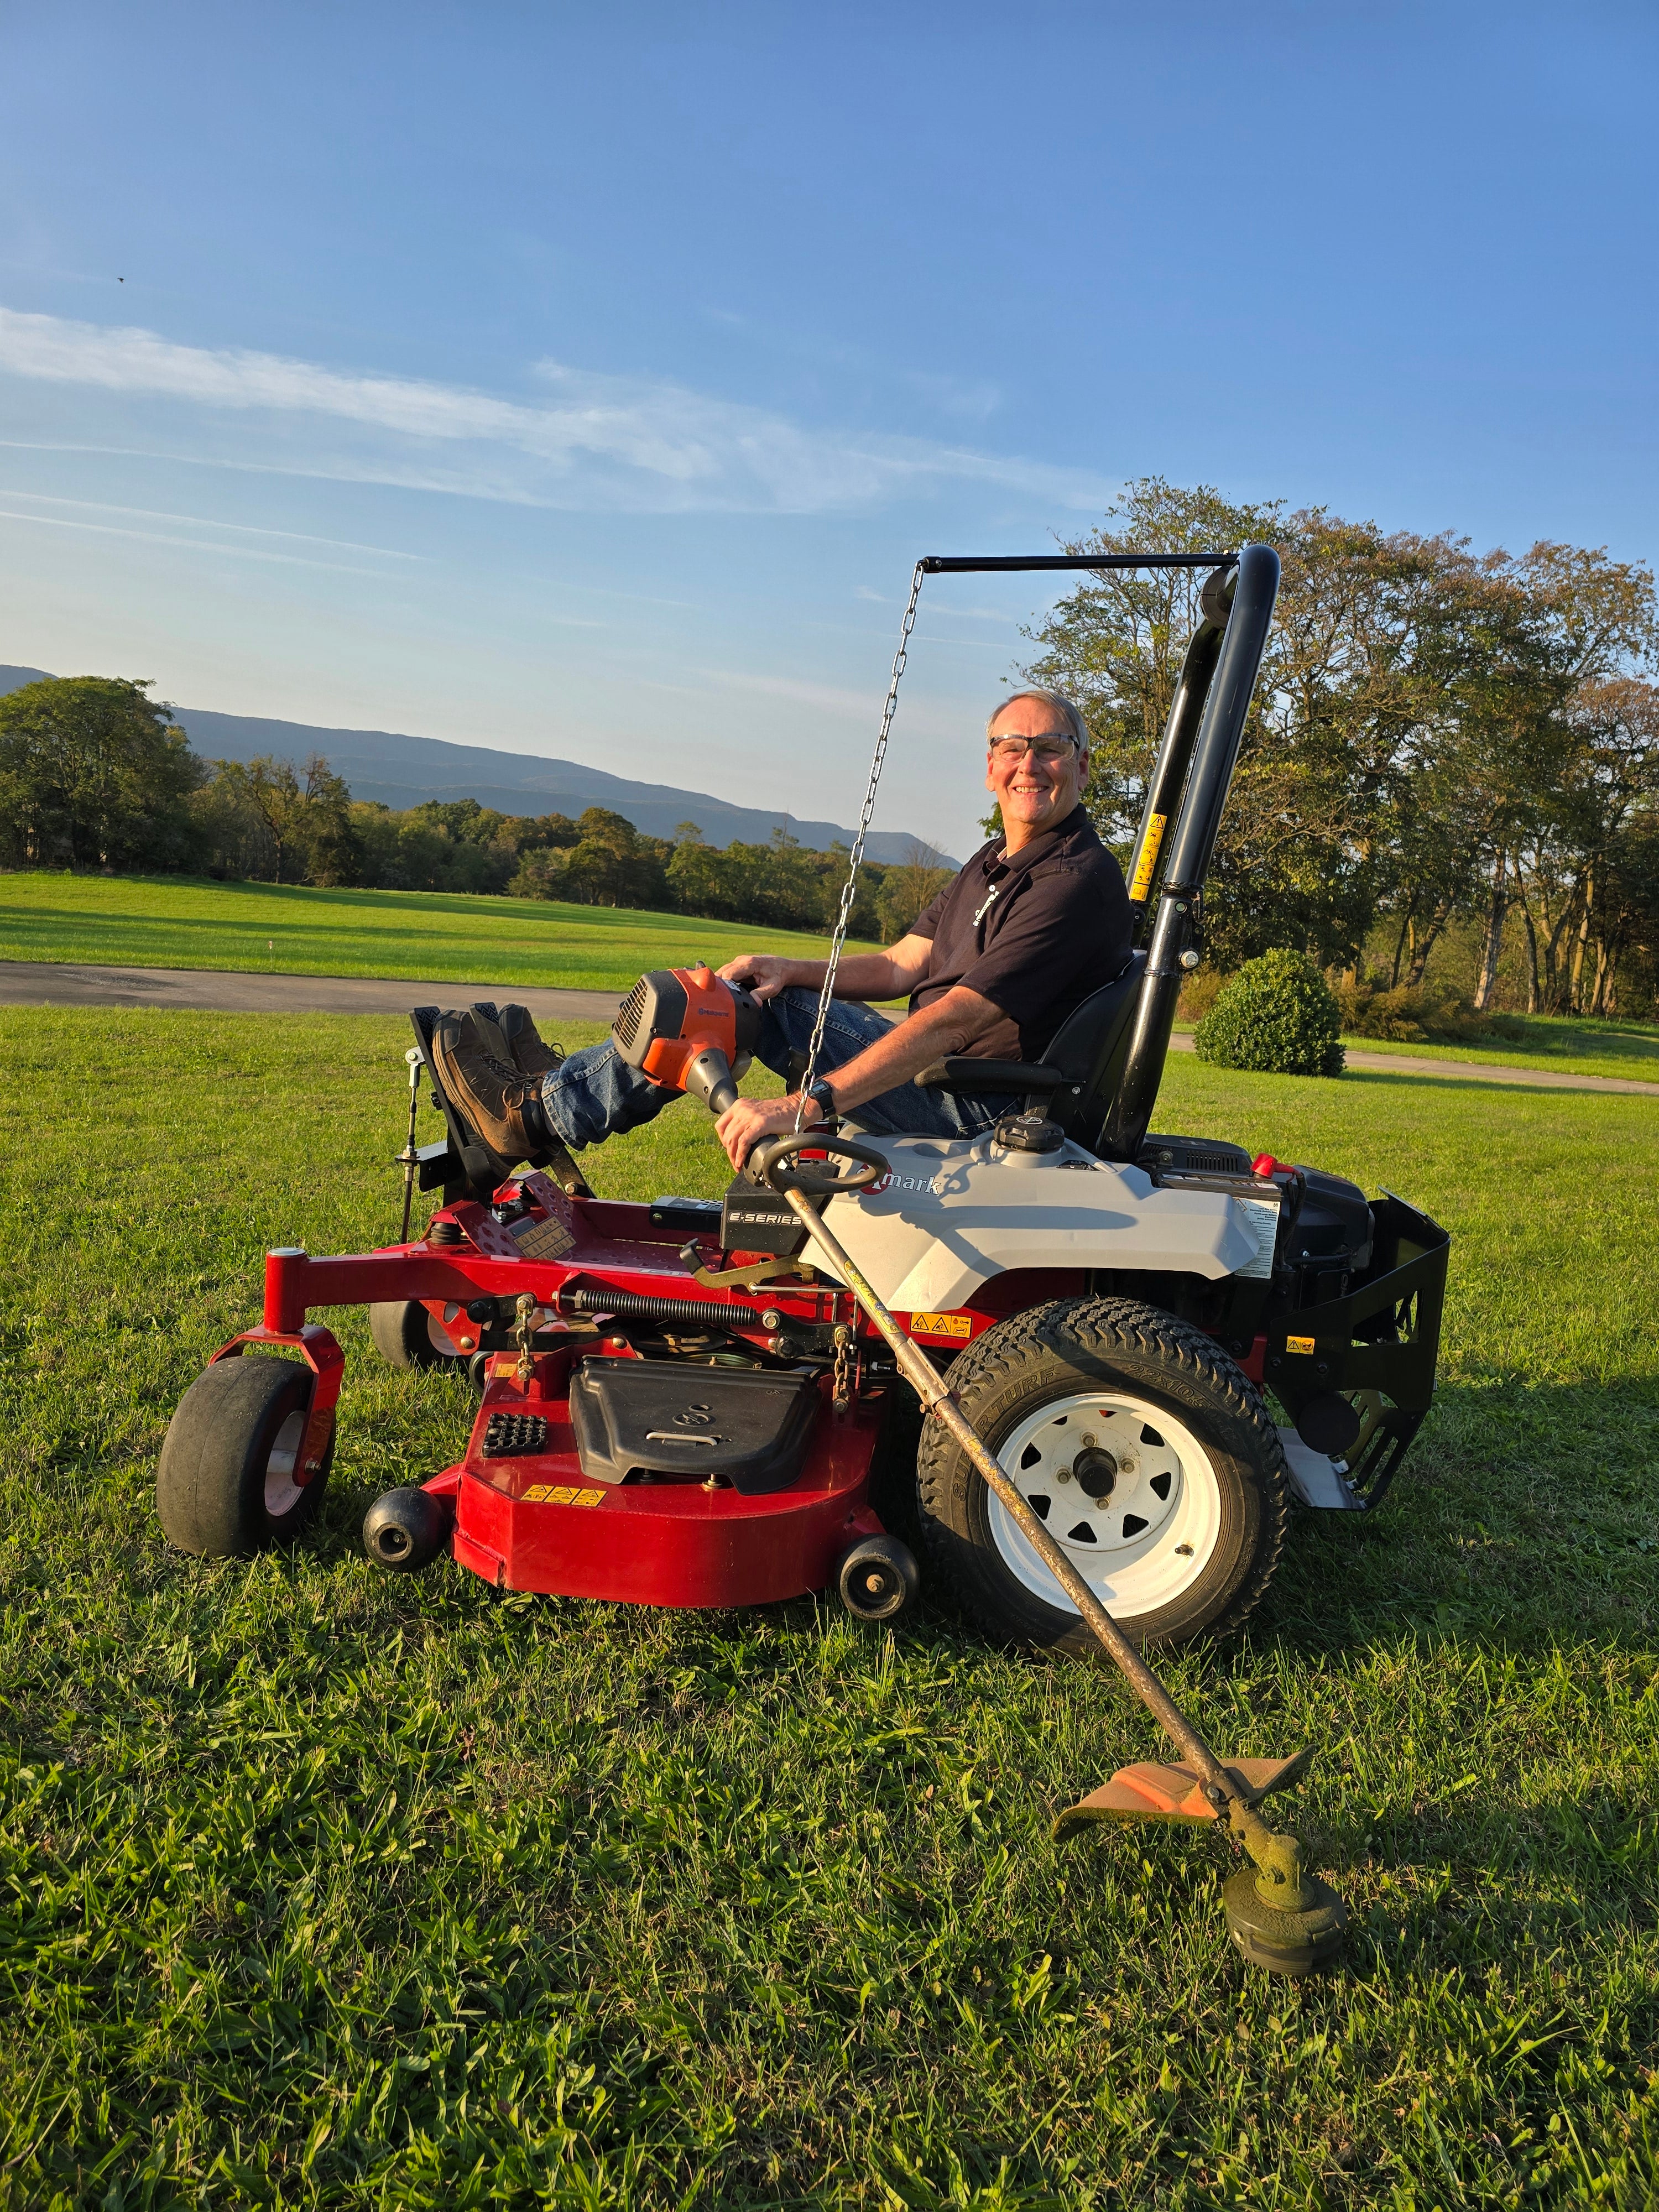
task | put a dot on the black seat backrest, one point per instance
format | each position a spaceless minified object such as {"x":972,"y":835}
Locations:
{"x":1089,"y":1049}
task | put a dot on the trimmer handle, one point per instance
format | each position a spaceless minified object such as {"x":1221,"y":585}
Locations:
{"x":708,"y":1077}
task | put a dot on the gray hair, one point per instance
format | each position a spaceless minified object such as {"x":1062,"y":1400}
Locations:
{"x":1057,"y":700}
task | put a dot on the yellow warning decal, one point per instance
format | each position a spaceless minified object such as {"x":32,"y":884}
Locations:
{"x":561,"y":1493}
{"x":956,"y":1325}
{"x":1148,"y":861}
{"x":1299,"y":1344}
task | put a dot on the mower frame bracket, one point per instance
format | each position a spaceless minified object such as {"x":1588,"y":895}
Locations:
{"x":322,"y":1354}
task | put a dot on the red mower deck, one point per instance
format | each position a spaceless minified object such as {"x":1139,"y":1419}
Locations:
{"x":530,"y":1520}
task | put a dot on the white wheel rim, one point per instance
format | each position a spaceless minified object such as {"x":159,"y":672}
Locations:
{"x":1145,"y":1542}
{"x":282,"y":1493}
{"x":437,"y":1336}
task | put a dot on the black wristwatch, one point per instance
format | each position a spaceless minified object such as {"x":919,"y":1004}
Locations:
{"x":819,"y":1092}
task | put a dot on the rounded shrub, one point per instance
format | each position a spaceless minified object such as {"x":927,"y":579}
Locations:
{"x":1277,"y":1016}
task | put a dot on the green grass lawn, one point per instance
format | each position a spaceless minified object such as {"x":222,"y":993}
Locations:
{"x":328,"y":1887}
{"x":174,"y":921}
{"x":177,"y":922}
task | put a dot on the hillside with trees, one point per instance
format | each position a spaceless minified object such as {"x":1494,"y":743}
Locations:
{"x":1448,"y":793}
{"x":95,"y":775}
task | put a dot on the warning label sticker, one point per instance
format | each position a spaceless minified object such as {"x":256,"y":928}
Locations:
{"x":561,"y":1493}
{"x":1302,"y":1344}
{"x":1148,"y":859}
{"x":955,"y":1325}
{"x":1261,"y":1214}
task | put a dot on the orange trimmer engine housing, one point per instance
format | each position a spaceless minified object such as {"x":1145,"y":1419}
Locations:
{"x":688,"y":1029}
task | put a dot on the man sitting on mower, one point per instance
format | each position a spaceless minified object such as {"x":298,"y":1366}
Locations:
{"x":1037,"y":920}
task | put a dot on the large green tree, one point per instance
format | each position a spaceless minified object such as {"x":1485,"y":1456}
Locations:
{"x":277,"y":824}
{"x":1412,"y":735}
{"x":610,"y":863}
{"x":93,"y":773}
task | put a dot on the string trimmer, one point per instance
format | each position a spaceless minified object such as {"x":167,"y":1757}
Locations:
{"x":1282,"y":1916}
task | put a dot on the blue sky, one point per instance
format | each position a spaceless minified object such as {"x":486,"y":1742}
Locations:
{"x":586,"y":380}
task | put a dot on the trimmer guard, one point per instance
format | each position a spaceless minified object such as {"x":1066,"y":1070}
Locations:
{"x":1151,"y":1792}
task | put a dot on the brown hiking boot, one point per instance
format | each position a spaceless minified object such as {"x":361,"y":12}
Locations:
{"x":503,"y":1106}
{"x":511,"y":1037}
{"x":514,"y":1040}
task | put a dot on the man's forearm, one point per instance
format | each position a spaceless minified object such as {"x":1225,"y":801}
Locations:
{"x":947,"y":1026}
{"x":866,"y":975}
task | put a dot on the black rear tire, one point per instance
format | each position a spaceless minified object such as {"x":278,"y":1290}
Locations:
{"x":406,"y":1335}
{"x":225,"y":1483}
{"x":1146,"y":1452}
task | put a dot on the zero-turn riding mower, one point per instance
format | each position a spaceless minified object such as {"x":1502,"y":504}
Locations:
{"x":683,"y":1403}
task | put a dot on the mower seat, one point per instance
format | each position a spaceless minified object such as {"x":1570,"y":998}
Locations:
{"x":1076,"y":1079}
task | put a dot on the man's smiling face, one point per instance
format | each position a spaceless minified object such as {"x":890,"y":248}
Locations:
{"x":1034,"y":793}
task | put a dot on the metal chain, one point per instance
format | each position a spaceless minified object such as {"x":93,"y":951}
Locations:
{"x":840,"y":1388}
{"x":856,"y":856}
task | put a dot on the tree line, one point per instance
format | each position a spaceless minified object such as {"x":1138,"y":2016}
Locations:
{"x":1439,"y":739}
{"x":95,"y":774}
{"x":1442,"y":742}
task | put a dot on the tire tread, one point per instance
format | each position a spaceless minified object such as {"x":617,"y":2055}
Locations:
{"x":1103,"y":1327}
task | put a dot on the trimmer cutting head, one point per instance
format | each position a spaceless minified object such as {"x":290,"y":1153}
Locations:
{"x":1282,"y":1917}
{"x":1291,"y":1927}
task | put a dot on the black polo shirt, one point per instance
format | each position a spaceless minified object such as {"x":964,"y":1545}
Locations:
{"x":1035,"y":934}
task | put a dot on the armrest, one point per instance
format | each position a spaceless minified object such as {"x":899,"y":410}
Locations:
{"x":962,"y":1072}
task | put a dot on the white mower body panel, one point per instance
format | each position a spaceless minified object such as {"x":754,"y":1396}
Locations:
{"x":955,"y":1212}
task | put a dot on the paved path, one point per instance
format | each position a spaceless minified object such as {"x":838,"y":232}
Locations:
{"x":55,"y":983}
{"x":1474,"y":1071}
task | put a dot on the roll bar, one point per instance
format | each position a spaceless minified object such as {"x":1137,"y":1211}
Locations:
{"x":1186,"y":793}
{"x":978,"y":564}
{"x":1218,"y":706}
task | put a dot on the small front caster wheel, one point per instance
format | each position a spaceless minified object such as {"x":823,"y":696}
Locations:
{"x":229,"y":1477}
{"x":405,"y":1529}
{"x":879,"y":1579}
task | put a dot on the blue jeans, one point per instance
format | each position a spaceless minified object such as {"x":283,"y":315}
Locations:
{"x":595,"y":1094}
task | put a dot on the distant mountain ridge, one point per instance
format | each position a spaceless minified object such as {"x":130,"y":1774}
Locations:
{"x":402,"y":771}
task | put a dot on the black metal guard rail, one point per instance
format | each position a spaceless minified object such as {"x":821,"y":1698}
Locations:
{"x":1341,"y":1357}
{"x":961,"y":564}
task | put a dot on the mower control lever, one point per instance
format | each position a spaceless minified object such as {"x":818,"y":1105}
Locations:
{"x":770,"y":1158}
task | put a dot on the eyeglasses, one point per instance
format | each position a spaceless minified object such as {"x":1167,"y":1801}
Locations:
{"x":1045,"y":750}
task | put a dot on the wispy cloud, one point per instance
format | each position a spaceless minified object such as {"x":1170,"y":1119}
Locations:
{"x":829,"y":698}
{"x":859,"y":710}
{"x":597,"y":442}
{"x":205,"y":522}
{"x":971,"y":400}
{"x":214,"y":545}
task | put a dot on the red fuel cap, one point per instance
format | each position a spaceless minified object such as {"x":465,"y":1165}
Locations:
{"x":1264,"y":1163}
